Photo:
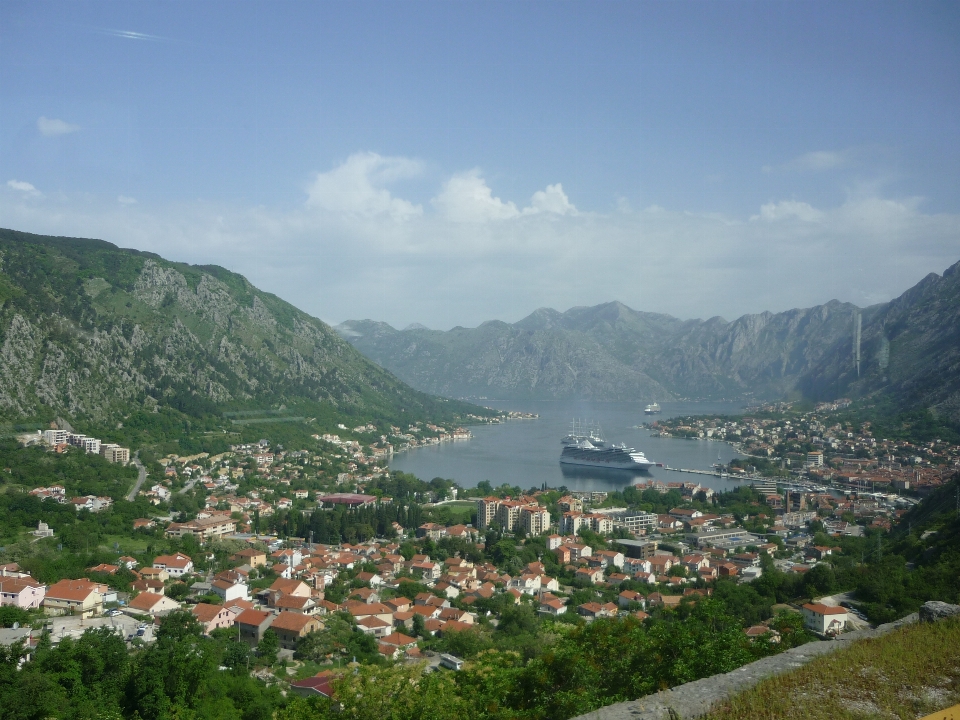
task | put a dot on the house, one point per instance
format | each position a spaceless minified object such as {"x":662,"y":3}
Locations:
{"x":361,"y":610}
{"x":528,"y":583}
{"x":669,"y":601}
{"x":252,"y":624}
{"x":282,"y":586}
{"x":590,"y":575}
{"x":295,"y":603}
{"x":609,"y":557}
{"x":594,"y":610}
{"x":824,"y":619}
{"x":727,"y":570}
{"x":80,"y":597}
{"x":660,"y":564}
{"x":432,"y":531}
{"x":320,"y":684}
{"x":12,"y":570}
{"x":291,"y":626}
{"x":250,"y":556}
{"x":154,"y":586}
{"x":21,"y":592}
{"x":631,"y":566}
{"x":159,"y":575}
{"x":426,"y":569}
{"x":212,"y":617}
{"x":203,"y":529}
{"x":152,"y":604}
{"x":373,"y":579}
{"x":757,"y":631}
{"x":553,"y":607}
{"x":228,"y":591}
{"x":176,"y":565}
{"x":398,"y":604}
{"x":287,"y":556}
{"x":456,"y":615}
{"x":630,"y":596}
{"x":398,"y":640}
{"x":366,"y":595}
{"x":373,"y":625}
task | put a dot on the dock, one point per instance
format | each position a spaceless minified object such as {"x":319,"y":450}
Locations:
{"x":713,"y":473}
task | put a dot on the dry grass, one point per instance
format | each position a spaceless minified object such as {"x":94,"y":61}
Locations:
{"x":909,"y":673}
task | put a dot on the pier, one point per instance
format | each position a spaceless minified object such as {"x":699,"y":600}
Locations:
{"x":713,"y":473}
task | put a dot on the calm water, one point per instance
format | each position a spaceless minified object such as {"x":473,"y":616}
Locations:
{"x":527,"y":452}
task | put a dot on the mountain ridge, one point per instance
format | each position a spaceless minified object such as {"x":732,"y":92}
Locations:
{"x":91,"y":330}
{"x":612,"y":352}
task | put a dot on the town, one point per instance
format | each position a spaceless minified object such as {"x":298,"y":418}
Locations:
{"x":819,"y":447}
{"x":316,"y":557}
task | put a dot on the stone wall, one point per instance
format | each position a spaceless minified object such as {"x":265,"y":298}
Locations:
{"x":693,"y":700}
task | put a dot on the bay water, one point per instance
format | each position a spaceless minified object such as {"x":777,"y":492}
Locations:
{"x":526,"y":453}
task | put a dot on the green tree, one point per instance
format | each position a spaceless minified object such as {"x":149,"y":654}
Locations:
{"x":268,"y":647}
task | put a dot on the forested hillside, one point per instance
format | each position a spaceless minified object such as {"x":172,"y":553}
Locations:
{"x":92,"y":331}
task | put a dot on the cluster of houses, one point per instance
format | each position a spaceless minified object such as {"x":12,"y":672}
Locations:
{"x":811,"y":445}
{"x":58,"y":493}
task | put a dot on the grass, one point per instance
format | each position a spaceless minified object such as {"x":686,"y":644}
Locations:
{"x":128,"y":545}
{"x":906,"y":674}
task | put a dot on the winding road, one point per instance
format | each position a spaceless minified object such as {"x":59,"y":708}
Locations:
{"x":141,"y":478}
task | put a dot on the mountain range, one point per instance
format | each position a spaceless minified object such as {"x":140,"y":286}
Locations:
{"x":909,"y":353}
{"x":92,"y":331}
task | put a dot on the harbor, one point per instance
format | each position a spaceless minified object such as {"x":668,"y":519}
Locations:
{"x":527,"y":455}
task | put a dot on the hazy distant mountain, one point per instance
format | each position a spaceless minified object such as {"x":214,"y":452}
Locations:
{"x":909,"y":347}
{"x":89,"y":330}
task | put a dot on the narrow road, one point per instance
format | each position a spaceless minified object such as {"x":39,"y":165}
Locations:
{"x":141,"y":478}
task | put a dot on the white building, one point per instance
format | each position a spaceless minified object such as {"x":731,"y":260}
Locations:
{"x":534,"y":520}
{"x":824,"y":619}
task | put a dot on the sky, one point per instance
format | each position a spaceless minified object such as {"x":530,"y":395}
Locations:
{"x":448,"y":163}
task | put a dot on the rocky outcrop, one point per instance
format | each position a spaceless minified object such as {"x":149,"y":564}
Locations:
{"x":934,"y":610}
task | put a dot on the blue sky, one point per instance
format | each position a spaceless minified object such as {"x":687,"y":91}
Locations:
{"x":448,"y":163}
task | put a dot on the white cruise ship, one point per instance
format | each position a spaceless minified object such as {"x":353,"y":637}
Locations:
{"x":593,"y":451}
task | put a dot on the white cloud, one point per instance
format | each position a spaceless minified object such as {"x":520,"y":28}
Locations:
{"x":787,"y":210}
{"x":356,"y":187}
{"x":355,"y":250}
{"x":124,"y":200}
{"x":552,"y":200}
{"x":23,"y":187}
{"x":51,"y":127}
{"x":466,"y":197}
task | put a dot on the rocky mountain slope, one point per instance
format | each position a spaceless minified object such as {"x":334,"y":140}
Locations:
{"x":909,"y":348}
{"x":88,"y":330}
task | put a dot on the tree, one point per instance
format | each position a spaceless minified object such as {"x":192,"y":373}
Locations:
{"x":236,"y":655}
{"x":419,"y":626}
{"x":268,"y":647}
{"x":819,"y":580}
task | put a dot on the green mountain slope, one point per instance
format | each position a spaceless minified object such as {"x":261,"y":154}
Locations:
{"x":910,"y":353}
{"x":90,"y":331}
